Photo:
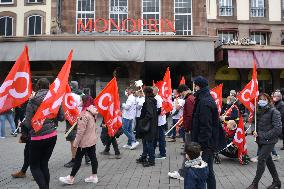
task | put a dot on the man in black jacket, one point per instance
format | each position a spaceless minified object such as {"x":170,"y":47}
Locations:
{"x":205,"y":125}
{"x":279,"y":105}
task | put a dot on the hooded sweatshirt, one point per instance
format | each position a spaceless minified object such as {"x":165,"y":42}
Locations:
{"x":49,"y":125}
{"x":86,"y":135}
{"x":196,"y":174}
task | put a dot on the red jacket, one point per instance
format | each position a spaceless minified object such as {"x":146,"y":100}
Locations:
{"x":188,"y":111}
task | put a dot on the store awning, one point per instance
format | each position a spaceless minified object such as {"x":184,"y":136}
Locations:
{"x":137,"y":49}
{"x":264,"y":59}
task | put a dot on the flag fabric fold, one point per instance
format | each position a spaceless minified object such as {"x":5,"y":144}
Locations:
{"x":70,"y":107}
{"x":240,"y":140}
{"x":17,"y":87}
{"x":216,"y":93}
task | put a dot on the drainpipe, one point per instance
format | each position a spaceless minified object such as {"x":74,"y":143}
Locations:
{"x":58,"y":15}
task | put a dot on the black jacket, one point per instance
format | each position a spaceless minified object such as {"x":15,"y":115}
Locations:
{"x":280,"y":107}
{"x":148,"y":115}
{"x":268,"y":125}
{"x":206,"y":129}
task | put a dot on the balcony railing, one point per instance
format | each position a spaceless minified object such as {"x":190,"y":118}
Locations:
{"x":257,"y":12}
{"x":226,"y":11}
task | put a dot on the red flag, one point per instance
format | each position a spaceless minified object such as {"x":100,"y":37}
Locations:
{"x":216,"y":93}
{"x":53,"y":99}
{"x":165,"y":91}
{"x":182,"y":81}
{"x":70,"y":107}
{"x":240,"y":140}
{"x":108,"y":105}
{"x":17,"y":86}
{"x":250,"y":92}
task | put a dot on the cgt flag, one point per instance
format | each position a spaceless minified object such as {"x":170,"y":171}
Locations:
{"x":108,"y":105}
{"x":216,"y":93}
{"x":240,"y":140}
{"x":17,"y":86}
{"x":70,"y":107}
{"x":250,"y":92}
{"x":53,"y":99}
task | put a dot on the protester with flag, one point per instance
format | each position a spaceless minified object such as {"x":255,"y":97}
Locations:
{"x":43,"y":141}
{"x":268,"y":128}
{"x":85,"y":142}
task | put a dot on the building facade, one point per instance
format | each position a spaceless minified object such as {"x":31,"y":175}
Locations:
{"x":248,"y":30}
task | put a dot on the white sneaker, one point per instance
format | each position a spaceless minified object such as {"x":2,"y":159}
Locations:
{"x":254,"y":159}
{"x":126,"y":146}
{"x":275,"y":157}
{"x":134,"y":145}
{"x":2,"y":137}
{"x":175,"y":175}
{"x":66,"y":180}
{"x":93,"y":179}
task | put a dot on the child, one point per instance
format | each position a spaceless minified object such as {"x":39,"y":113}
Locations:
{"x":196,"y":170}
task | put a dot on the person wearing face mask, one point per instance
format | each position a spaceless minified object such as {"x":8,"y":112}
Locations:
{"x":279,"y":105}
{"x":129,"y":114}
{"x":268,"y":127}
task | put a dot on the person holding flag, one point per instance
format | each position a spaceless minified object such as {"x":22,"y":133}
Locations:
{"x":43,"y":141}
{"x":268,"y":127}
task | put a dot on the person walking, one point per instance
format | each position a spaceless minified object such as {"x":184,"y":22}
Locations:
{"x":162,"y":124}
{"x":7,"y":115}
{"x":279,"y":105}
{"x":129,"y":113}
{"x":205,"y":125}
{"x":85,"y":142}
{"x":42,"y":142}
{"x":147,"y":128}
{"x":268,"y":127}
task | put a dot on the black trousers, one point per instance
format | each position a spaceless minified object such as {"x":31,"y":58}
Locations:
{"x":91,"y":151}
{"x":26,"y":157}
{"x":40,"y":153}
{"x":264,"y":157}
{"x":112,"y":141}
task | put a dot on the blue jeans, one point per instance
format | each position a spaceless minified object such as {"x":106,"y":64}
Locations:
{"x":3,"y":118}
{"x":148,"y":150}
{"x":127,"y":130}
{"x":182,"y":133}
{"x":162,"y":141}
{"x":173,"y":132}
{"x":207,"y":156}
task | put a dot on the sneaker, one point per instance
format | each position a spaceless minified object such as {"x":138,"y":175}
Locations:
{"x":19,"y":174}
{"x":254,"y":159}
{"x":175,"y":175}
{"x":160,"y":157}
{"x":2,"y":137}
{"x":148,"y":164}
{"x":134,"y":145}
{"x":93,"y":179}
{"x":66,"y":180}
{"x":171,"y":140}
{"x":105,"y":153}
{"x":126,"y":146}
{"x":117,"y":156}
{"x":275,"y":185}
{"x":69,"y":164}
{"x":275,"y":157}
{"x":282,"y":148}
{"x":141,"y":160}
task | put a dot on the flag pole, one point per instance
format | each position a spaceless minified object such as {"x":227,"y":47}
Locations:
{"x":255,"y":115}
{"x":71,"y":128}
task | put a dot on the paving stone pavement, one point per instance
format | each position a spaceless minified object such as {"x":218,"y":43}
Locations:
{"x":125,"y":173}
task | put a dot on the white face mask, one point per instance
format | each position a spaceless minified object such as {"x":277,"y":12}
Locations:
{"x":228,"y":102}
{"x":125,"y":92}
{"x":262,"y":103}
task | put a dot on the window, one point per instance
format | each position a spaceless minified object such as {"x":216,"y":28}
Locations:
{"x":34,"y":25}
{"x":183,"y":19}
{"x":151,"y":10}
{"x":35,"y":1}
{"x":225,"y":37}
{"x":282,"y":38}
{"x":118,"y":11}
{"x":261,"y":38}
{"x":6,"y":26}
{"x":6,"y":1}
{"x":257,"y":8}
{"x":85,"y":11}
{"x":225,"y":8}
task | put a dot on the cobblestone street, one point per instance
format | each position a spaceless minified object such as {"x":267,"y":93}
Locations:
{"x":125,"y":173}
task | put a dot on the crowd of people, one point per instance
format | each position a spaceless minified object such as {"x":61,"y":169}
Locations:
{"x":204,"y":133}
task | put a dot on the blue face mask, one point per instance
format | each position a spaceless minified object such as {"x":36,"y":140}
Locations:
{"x":262,"y":103}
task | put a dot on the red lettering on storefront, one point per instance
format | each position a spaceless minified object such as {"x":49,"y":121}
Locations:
{"x":154,"y":25}
{"x":170,"y":25}
{"x":141,"y":23}
{"x":112,"y":23}
{"x":101,"y":28}
{"x":81,"y":25}
{"x":132,"y":25}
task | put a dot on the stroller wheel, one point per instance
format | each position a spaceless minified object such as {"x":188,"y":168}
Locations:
{"x":217,"y":159}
